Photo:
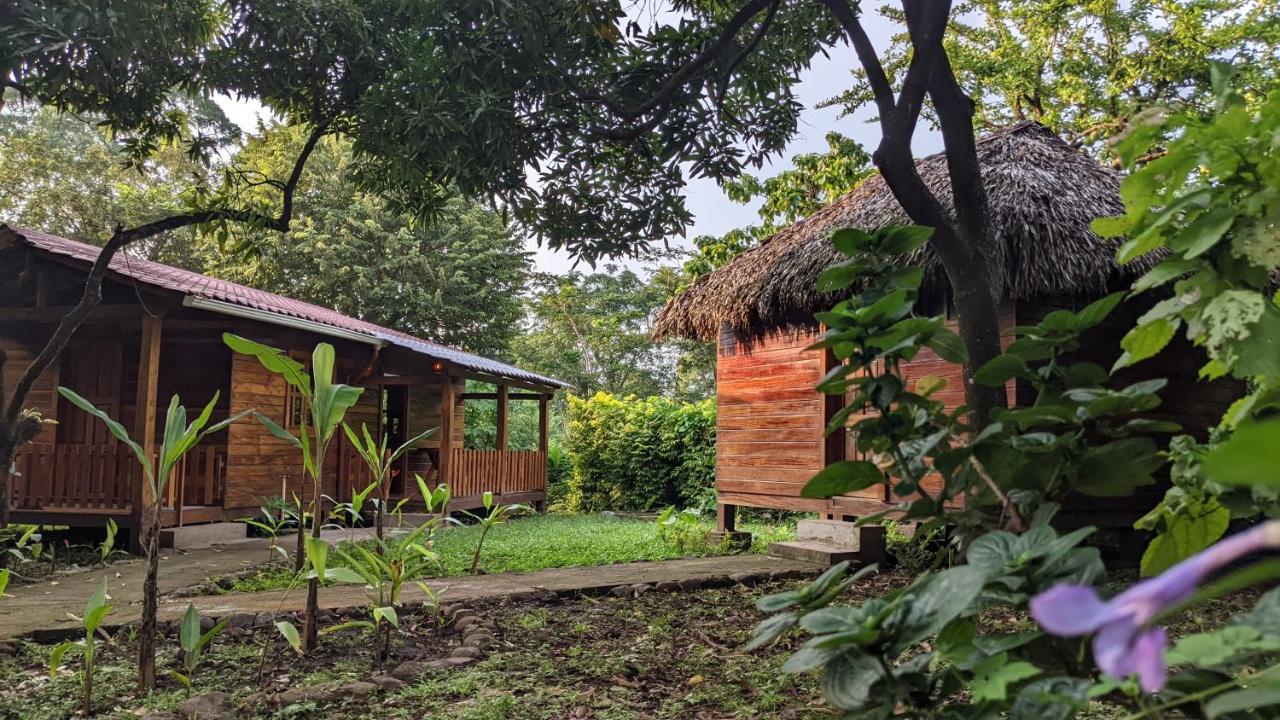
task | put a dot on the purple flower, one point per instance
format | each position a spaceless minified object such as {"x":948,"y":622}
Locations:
{"x":1125,"y":643}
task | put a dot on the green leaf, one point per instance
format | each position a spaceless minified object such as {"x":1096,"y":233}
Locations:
{"x":1096,"y":311}
{"x":949,"y":347}
{"x":1117,"y":468}
{"x":1185,"y":535}
{"x":4,"y":581}
{"x":1170,"y":269}
{"x":1220,"y":646}
{"x":1204,"y":232}
{"x":1247,"y":457}
{"x":842,"y":477}
{"x":1146,"y":340}
{"x":388,"y":614}
{"x":344,"y":575}
{"x":189,"y":632}
{"x":1248,"y":699}
{"x":290,"y":633}
{"x":936,"y":600}
{"x":274,"y":428}
{"x":849,"y":680}
{"x":56,"y":655}
{"x":1000,"y":370}
{"x":317,"y":550}
{"x":992,"y":678}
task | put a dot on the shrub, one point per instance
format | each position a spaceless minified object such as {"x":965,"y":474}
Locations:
{"x":639,"y":453}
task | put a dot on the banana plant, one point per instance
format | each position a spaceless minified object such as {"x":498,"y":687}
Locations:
{"x":494,"y":515}
{"x":384,"y":572}
{"x":326,"y":402}
{"x":193,"y":643}
{"x":94,"y":613}
{"x":380,"y":460}
{"x":179,"y":438}
{"x":4,"y":581}
{"x":316,"y":551}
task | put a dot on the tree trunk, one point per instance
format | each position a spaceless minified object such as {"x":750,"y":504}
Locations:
{"x":150,"y":603}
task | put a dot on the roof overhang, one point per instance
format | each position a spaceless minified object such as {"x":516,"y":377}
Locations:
{"x":265,"y":316}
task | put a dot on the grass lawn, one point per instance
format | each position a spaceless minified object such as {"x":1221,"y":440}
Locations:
{"x":538,"y":542}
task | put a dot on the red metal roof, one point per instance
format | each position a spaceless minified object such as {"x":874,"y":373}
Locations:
{"x":210,"y":288}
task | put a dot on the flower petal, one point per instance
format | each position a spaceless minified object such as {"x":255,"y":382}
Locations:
{"x":1113,"y":648}
{"x":1069,"y":610}
{"x":1147,"y":657}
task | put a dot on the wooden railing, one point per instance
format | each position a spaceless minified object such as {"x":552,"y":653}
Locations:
{"x":102,"y":477}
{"x":514,"y":471}
{"x":54,"y":477}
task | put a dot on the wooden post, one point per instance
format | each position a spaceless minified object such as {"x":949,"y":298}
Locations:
{"x":726,"y":518}
{"x":144,"y":424}
{"x":501,"y":441}
{"x":544,"y":424}
{"x":446,"y":430}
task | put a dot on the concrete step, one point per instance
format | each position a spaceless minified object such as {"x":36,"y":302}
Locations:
{"x":833,"y":532}
{"x":814,"y":552}
{"x":197,"y":536}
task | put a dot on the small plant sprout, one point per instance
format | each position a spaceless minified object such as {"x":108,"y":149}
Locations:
{"x":4,"y":581}
{"x":193,"y":644}
{"x":494,"y":515}
{"x":109,"y":542}
{"x":94,"y":613}
{"x":272,"y":524}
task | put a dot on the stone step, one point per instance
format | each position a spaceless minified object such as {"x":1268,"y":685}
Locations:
{"x":815,"y":552}
{"x":833,"y":532}
{"x":197,"y":536}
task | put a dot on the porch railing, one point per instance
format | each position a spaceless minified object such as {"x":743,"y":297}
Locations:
{"x":53,"y":476}
{"x":502,"y":472}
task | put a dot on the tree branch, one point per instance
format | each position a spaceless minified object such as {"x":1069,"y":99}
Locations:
{"x":121,"y":238}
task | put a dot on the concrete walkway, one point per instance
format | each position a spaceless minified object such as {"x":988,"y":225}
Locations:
{"x":44,"y":607}
{"x":45,"y":604}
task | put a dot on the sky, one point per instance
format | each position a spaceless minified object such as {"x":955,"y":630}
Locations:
{"x":713,"y":213}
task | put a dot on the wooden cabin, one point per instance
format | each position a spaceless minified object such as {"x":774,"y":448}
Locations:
{"x":759,"y":309}
{"x":158,"y":332}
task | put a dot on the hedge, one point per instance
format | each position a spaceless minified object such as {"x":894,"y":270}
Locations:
{"x":640,"y":453}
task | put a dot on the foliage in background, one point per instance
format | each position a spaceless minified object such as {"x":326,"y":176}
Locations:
{"x":62,"y":175}
{"x":1087,"y":69}
{"x":456,"y":279}
{"x":594,"y":331}
{"x":633,"y":453}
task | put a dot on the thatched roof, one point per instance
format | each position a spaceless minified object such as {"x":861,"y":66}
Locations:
{"x":1042,"y":192}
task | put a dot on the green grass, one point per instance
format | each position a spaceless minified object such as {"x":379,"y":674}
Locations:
{"x":538,"y":542}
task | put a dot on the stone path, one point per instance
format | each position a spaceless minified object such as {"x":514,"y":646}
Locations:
{"x":42,"y":609}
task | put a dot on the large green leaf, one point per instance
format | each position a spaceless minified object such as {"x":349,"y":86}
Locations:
{"x":842,"y":477}
{"x":189,"y":631}
{"x":1000,"y":370}
{"x":1249,"y":699}
{"x":993,"y":676}
{"x":273,"y":360}
{"x":936,"y":600}
{"x":1184,"y":535}
{"x":1146,"y":340}
{"x":1247,"y":457}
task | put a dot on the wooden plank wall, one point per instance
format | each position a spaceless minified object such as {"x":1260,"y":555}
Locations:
{"x":768,"y":416}
{"x":21,"y":349}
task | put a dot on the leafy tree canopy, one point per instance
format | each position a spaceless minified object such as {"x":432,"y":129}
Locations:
{"x":1084,"y":69}
{"x":593,"y":330}
{"x":457,"y":279}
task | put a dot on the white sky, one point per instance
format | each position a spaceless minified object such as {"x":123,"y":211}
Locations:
{"x":714,"y":213}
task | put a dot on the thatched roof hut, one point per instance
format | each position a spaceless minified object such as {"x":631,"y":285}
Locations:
{"x":1043,"y":194}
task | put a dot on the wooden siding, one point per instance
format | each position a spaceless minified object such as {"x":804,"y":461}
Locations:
{"x":769,"y":417}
